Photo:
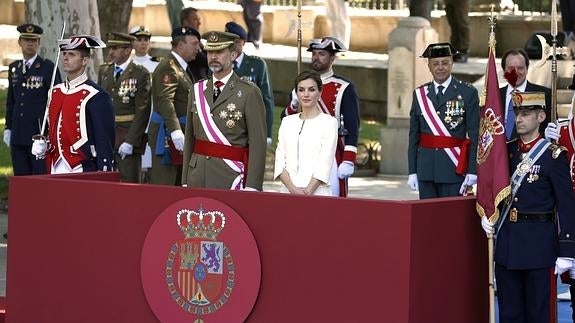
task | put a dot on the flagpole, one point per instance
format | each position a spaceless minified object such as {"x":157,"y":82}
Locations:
{"x":554,"y":62}
{"x":491,"y":279}
{"x":554,"y":104}
{"x":492,"y":20}
{"x":299,"y":36}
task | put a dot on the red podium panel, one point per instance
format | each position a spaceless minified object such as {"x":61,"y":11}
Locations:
{"x":76,"y":241}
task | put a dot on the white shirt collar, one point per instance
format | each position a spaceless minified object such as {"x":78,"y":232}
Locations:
{"x":180,"y":60}
{"x":240,"y":59}
{"x":31,"y":60}
{"x":124,"y":65}
{"x":224,"y":79}
{"x":444,"y":84}
{"x":520,"y":88}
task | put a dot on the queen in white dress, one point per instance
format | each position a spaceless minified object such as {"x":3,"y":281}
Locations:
{"x":306,"y":142}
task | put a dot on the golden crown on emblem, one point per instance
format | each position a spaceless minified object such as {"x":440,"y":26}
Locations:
{"x":201,"y":224}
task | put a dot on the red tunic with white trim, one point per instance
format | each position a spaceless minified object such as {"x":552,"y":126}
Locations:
{"x":81,"y":127}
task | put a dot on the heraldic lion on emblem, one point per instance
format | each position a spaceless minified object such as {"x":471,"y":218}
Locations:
{"x":200,"y":272}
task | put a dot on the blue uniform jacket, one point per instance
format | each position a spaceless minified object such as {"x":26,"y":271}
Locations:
{"x":255,"y":70}
{"x":27,"y":96}
{"x":535,"y":244}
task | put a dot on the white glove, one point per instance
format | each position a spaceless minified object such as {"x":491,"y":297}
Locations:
{"x":269,"y":141}
{"x":294,"y":102}
{"x":469,"y":180}
{"x":412,"y":182}
{"x":486,"y":225}
{"x":178,"y":139}
{"x":345,"y":169}
{"x":39,"y":148}
{"x":552,"y":132}
{"x":125,"y":149}
{"x":7,"y":135}
{"x":249,"y":189}
{"x":563,"y":264}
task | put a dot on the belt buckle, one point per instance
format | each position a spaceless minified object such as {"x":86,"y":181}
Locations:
{"x":513,"y":215}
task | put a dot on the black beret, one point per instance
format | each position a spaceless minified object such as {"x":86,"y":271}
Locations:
{"x":234,"y":28}
{"x":185,"y":31}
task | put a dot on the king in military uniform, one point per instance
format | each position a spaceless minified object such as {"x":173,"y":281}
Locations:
{"x":536,"y":237}
{"x":29,"y":81}
{"x":225,"y":144}
{"x":128,"y":85}
{"x":443,"y":130}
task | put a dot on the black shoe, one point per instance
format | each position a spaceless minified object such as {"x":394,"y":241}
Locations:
{"x":5,"y":235}
{"x":460,"y":58}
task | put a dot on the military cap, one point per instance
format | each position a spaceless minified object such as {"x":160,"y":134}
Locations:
{"x":81,"y":42}
{"x":217,"y":40}
{"x":528,"y":100}
{"x":119,"y":39}
{"x":439,"y":50}
{"x":140,"y":31}
{"x":30,"y":31}
{"x":234,"y":28}
{"x":331,"y":44}
{"x":185,"y":31}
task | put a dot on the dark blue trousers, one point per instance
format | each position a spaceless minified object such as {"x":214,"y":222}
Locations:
{"x":24,"y":163}
{"x":525,"y":296}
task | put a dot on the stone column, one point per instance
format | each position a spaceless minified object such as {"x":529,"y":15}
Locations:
{"x":406,"y":71}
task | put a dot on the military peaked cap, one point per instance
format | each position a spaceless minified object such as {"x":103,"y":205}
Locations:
{"x":30,"y":31}
{"x":140,"y":31}
{"x":217,"y":40}
{"x":528,"y":100}
{"x":119,"y":39}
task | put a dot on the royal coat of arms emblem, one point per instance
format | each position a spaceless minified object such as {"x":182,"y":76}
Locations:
{"x":200,"y":264}
{"x":199,"y":268}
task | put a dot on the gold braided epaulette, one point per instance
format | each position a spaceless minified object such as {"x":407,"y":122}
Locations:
{"x":556,"y":150}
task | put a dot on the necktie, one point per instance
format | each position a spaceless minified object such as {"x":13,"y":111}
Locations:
{"x":26,"y":66}
{"x":440,"y":93}
{"x":510,"y":121}
{"x":235,"y":66}
{"x":217,"y":89}
{"x":117,"y":71}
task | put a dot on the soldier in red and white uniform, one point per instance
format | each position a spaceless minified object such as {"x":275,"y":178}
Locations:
{"x":80,"y":117}
{"x":564,"y":133}
{"x":339,"y":99}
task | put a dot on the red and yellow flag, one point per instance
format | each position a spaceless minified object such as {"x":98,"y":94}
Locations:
{"x":493,"y":181}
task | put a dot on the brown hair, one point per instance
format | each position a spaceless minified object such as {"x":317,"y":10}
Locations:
{"x":305,"y":75}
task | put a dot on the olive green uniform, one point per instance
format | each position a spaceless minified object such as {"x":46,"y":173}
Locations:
{"x":130,"y":95}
